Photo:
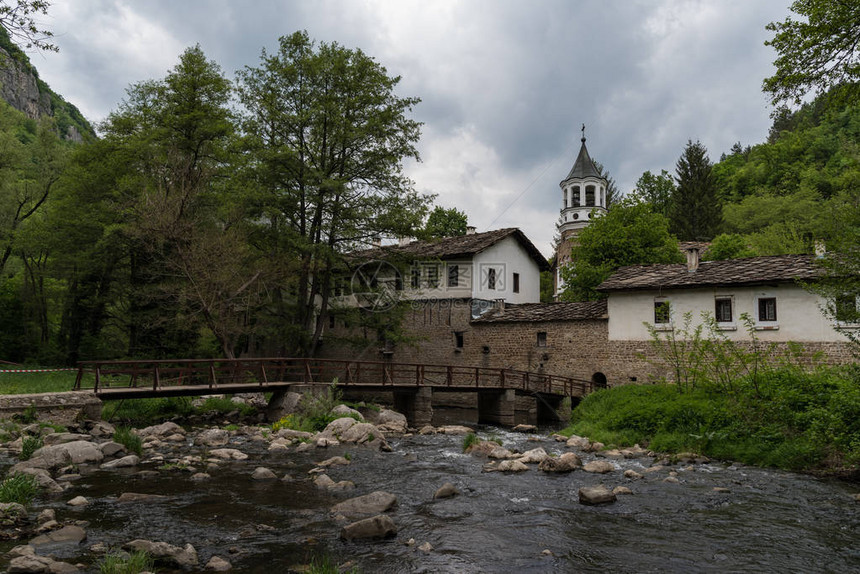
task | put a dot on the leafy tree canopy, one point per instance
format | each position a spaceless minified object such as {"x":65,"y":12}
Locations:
{"x":18,"y":19}
{"x":629,"y":234}
{"x":444,"y":222}
{"x":816,"y":52}
{"x":655,"y":190}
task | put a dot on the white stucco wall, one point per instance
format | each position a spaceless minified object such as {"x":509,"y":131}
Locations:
{"x":799,"y":316}
{"x":506,"y":257}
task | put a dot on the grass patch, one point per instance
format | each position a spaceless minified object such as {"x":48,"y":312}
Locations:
{"x":29,"y":445}
{"x":314,"y":412}
{"x":25,"y":383}
{"x":469,"y":440}
{"x":126,"y":437}
{"x":787,"y":418}
{"x":225,"y":405}
{"x":119,"y":562}
{"x":141,"y":412}
{"x":21,"y":488}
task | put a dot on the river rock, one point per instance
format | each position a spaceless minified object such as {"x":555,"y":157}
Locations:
{"x":228,"y":454}
{"x":293,"y":435}
{"x":102,"y":429}
{"x":595,"y":447}
{"x":64,"y":454}
{"x":426,"y":548}
{"x":671,"y":480}
{"x":162,"y":551}
{"x":263,"y":473}
{"x":525,"y":428}
{"x":64,"y":437}
{"x":512,"y":466}
{"x":632,"y":474}
{"x":596,"y":495}
{"x":279,"y":446}
{"x":124,"y":462}
{"x":325,"y":442}
{"x":621,"y":490}
{"x":392,"y":421}
{"x":34,"y":564}
{"x":111,"y":448}
{"x":66,"y":535}
{"x":454,"y":429}
{"x":163,"y":430}
{"x":447,"y":490}
{"x":635,"y":451}
{"x":218,"y":564}
{"x":47,"y":515}
{"x":333,"y":461}
{"x":42,"y":476}
{"x":48,"y":526}
{"x":535,"y":455}
{"x":500,"y":453}
{"x":427,"y":430}
{"x":483,"y":447}
{"x":611,"y":453}
{"x":598,"y":466}
{"x":567,"y":462}
{"x":361,"y":433}
{"x":345,"y":411}
{"x":212,"y":437}
{"x":373,"y":503}
{"x":379,"y":526}
{"x":578,"y":442}
{"x":12,"y":512}
{"x":200,"y":476}
{"x":78,"y":501}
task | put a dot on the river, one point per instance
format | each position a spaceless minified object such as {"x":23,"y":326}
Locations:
{"x":768,"y":521}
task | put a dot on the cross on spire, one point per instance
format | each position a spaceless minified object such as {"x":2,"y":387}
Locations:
{"x":583,"y":133}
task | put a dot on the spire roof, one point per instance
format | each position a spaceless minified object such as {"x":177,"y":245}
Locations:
{"x":583,"y":166}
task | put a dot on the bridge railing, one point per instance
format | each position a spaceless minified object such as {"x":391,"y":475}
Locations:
{"x":258,"y":374}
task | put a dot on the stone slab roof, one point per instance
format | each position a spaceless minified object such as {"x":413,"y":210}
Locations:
{"x":454,"y":247}
{"x":726,"y":273}
{"x":536,"y":312}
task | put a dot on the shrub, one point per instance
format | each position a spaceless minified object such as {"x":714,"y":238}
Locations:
{"x":29,"y":445}
{"x":314,"y":411}
{"x":127,"y":438}
{"x":469,"y":440}
{"x":21,"y":488}
{"x":225,"y":405}
{"x":119,"y":562}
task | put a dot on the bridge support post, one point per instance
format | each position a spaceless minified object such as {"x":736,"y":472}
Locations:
{"x":497,"y":407}
{"x":416,"y":405}
{"x":552,"y":408}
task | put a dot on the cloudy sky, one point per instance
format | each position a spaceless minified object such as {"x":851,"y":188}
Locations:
{"x":505,"y":85}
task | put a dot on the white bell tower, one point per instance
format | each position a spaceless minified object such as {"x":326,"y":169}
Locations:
{"x":583,"y":194}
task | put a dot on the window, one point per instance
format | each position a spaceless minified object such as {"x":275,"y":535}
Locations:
{"x":589,"y":195}
{"x":432,"y":276}
{"x":458,"y":339}
{"x":575,"y":200}
{"x":491,"y":278}
{"x":723,"y":309}
{"x":662,"y":312}
{"x":767,"y":309}
{"x":453,"y":275}
{"x":516,"y":282}
{"x":846,"y":307}
{"x":541,"y":339}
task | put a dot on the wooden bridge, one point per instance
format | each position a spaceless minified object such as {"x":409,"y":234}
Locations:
{"x":412,"y":384}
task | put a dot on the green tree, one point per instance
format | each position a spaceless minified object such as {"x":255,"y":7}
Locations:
{"x":728,"y":246}
{"x":817,"y":52}
{"x":328,"y":136}
{"x":613,"y":194}
{"x":445,"y":223}
{"x":628,"y":234}
{"x":18,"y":18}
{"x":655,"y":190}
{"x":695,"y":213}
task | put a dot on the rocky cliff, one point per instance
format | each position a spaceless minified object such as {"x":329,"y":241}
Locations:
{"x":21,"y":87}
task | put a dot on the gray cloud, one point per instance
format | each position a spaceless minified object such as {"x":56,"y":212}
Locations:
{"x":504,"y":84}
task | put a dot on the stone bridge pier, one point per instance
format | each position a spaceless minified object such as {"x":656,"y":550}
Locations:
{"x":416,"y":405}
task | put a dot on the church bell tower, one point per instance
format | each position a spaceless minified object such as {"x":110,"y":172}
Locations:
{"x":583,"y":194}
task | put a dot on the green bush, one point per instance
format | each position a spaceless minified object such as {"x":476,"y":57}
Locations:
{"x":469,"y":440}
{"x":314,"y":412}
{"x":29,"y":445}
{"x":127,"y":438}
{"x":225,"y":405}
{"x":786,"y":417}
{"x":21,"y":488}
{"x":119,"y":562}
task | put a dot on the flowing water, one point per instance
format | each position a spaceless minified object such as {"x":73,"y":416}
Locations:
{"x":769,"y":521}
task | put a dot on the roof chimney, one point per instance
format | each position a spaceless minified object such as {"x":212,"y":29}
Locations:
{"x":500,"y":305}
{"x":820,"y":249}
{"x":470,"y":230}
{"x":692,"y":258}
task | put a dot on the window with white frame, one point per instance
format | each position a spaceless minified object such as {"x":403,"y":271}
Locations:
{"x":766,"y":309}
{"x":662,"y":312}
{"x":724,"y":310}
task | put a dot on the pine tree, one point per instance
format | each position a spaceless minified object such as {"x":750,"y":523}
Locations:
{"x":695,"y":213}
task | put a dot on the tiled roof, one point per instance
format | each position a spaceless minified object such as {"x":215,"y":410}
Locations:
{"x":532,"y":312}
{"x":453,"y":247}
{"x":729,"y":272}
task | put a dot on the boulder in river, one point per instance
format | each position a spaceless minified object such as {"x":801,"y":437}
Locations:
{"x":447,"y":490}
{"x":66,"y":535}
{"x":373,"y":503}
{"x":212,"y":437}
{"x":392,"y":421}
{"x":567,"y":462}
{"x":228,"y":454}
{"x":163,"y":552}
{"x":512,"y":466}
{"x":345,"y":411}
{"x":379,"y":526}
{"x":598,"y":466}
{"x":263,"y":473}
{"x":596,"y":495}
{"x":218,"y":564}
{"x":535,"y":455}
